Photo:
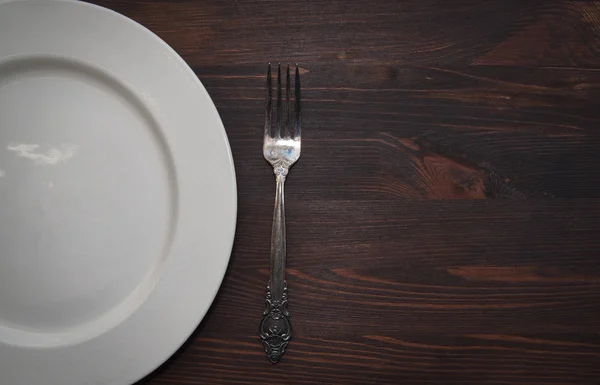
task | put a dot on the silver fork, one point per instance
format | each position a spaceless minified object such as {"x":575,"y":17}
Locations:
{"x":281,"y":149}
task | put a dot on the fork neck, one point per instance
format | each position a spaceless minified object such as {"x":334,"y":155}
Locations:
{"x":278,"y":242}
{"x":280,"y":171}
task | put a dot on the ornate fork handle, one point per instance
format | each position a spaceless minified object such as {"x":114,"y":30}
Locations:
{"x":275,"y":327}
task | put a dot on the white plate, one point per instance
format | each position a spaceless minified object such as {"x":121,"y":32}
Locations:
{"x":117,"y":197}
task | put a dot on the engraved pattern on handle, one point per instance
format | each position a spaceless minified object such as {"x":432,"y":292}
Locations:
{"x":275,"y":327}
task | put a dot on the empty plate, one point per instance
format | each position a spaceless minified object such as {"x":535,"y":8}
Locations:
{"x":117,"y":197}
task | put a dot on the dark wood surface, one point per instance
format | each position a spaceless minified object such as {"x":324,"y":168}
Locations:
{"x":444,"y":218}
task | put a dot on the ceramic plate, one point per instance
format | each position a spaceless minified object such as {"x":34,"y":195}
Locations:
{"x":117,"y":197}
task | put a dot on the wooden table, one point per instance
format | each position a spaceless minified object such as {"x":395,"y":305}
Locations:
{"x":444,"y":218}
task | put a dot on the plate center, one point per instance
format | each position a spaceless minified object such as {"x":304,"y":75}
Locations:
{"x":87,"y":199}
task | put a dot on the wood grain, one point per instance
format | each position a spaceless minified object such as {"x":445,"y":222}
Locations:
{"x":443,"y":219}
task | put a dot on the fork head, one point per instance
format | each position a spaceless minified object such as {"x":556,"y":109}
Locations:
{"x":281,"y":146}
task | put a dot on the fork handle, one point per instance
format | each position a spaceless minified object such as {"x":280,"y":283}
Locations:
{"x":275,"y":326}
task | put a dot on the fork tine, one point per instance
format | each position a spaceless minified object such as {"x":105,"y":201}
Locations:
{"x":268,"y":102}
{"x":298,"y":120}
{"x":279,"y":112}
{"x":288,"y":106}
